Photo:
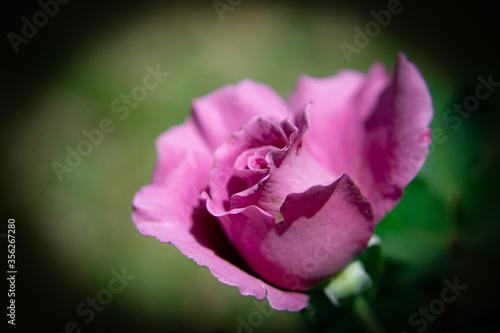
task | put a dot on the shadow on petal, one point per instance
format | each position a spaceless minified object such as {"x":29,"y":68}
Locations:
{"x":208,"y":233}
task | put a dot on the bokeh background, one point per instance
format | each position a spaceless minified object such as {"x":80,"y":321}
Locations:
{"x":71,"y":234}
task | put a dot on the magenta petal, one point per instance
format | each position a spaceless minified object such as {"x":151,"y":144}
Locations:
{"x":224,"y":111}
{"x":261,"y":131}
{"x":375,"y":82}
{"x":340,"y":105}
{"x":377,"y":127}
{"x":335,"y":134}
{"x":180,"y":150}
{"x":324,"y":229}
{"x":181,"y":174}
{"x":297,"y":172}
{"x":397,"y":138}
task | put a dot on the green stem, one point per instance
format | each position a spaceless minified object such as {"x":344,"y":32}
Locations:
{"x":366,"y":315}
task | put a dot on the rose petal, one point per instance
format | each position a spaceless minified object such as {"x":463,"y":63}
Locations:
{"x":324,"y":228}
{"x":376,"y":80}
{"x":225,"y":110}
{"x":397,"y":138}
{"x":179,"y":150}
{"x":260,"y":131}
{"x":335,"y":136}
{"x":377,"y":127}
{"x":297,"y":172}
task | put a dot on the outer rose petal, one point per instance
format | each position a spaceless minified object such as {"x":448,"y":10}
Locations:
{"x":225,"y":110}
{"x":169,"y":209}
{"x":397,"y":137}
{"x":377,"y":127}
{"x":180,"y":148}
{"x":334,"y":137}
{"x":324,"y":229}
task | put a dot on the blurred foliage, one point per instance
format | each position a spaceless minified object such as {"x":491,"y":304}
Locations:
{"x":72,"y":234}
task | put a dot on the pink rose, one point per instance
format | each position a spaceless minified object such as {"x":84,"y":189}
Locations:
{"x":277,"y":197}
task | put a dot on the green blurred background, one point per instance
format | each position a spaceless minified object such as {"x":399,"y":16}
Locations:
{"x":71,"y":235}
